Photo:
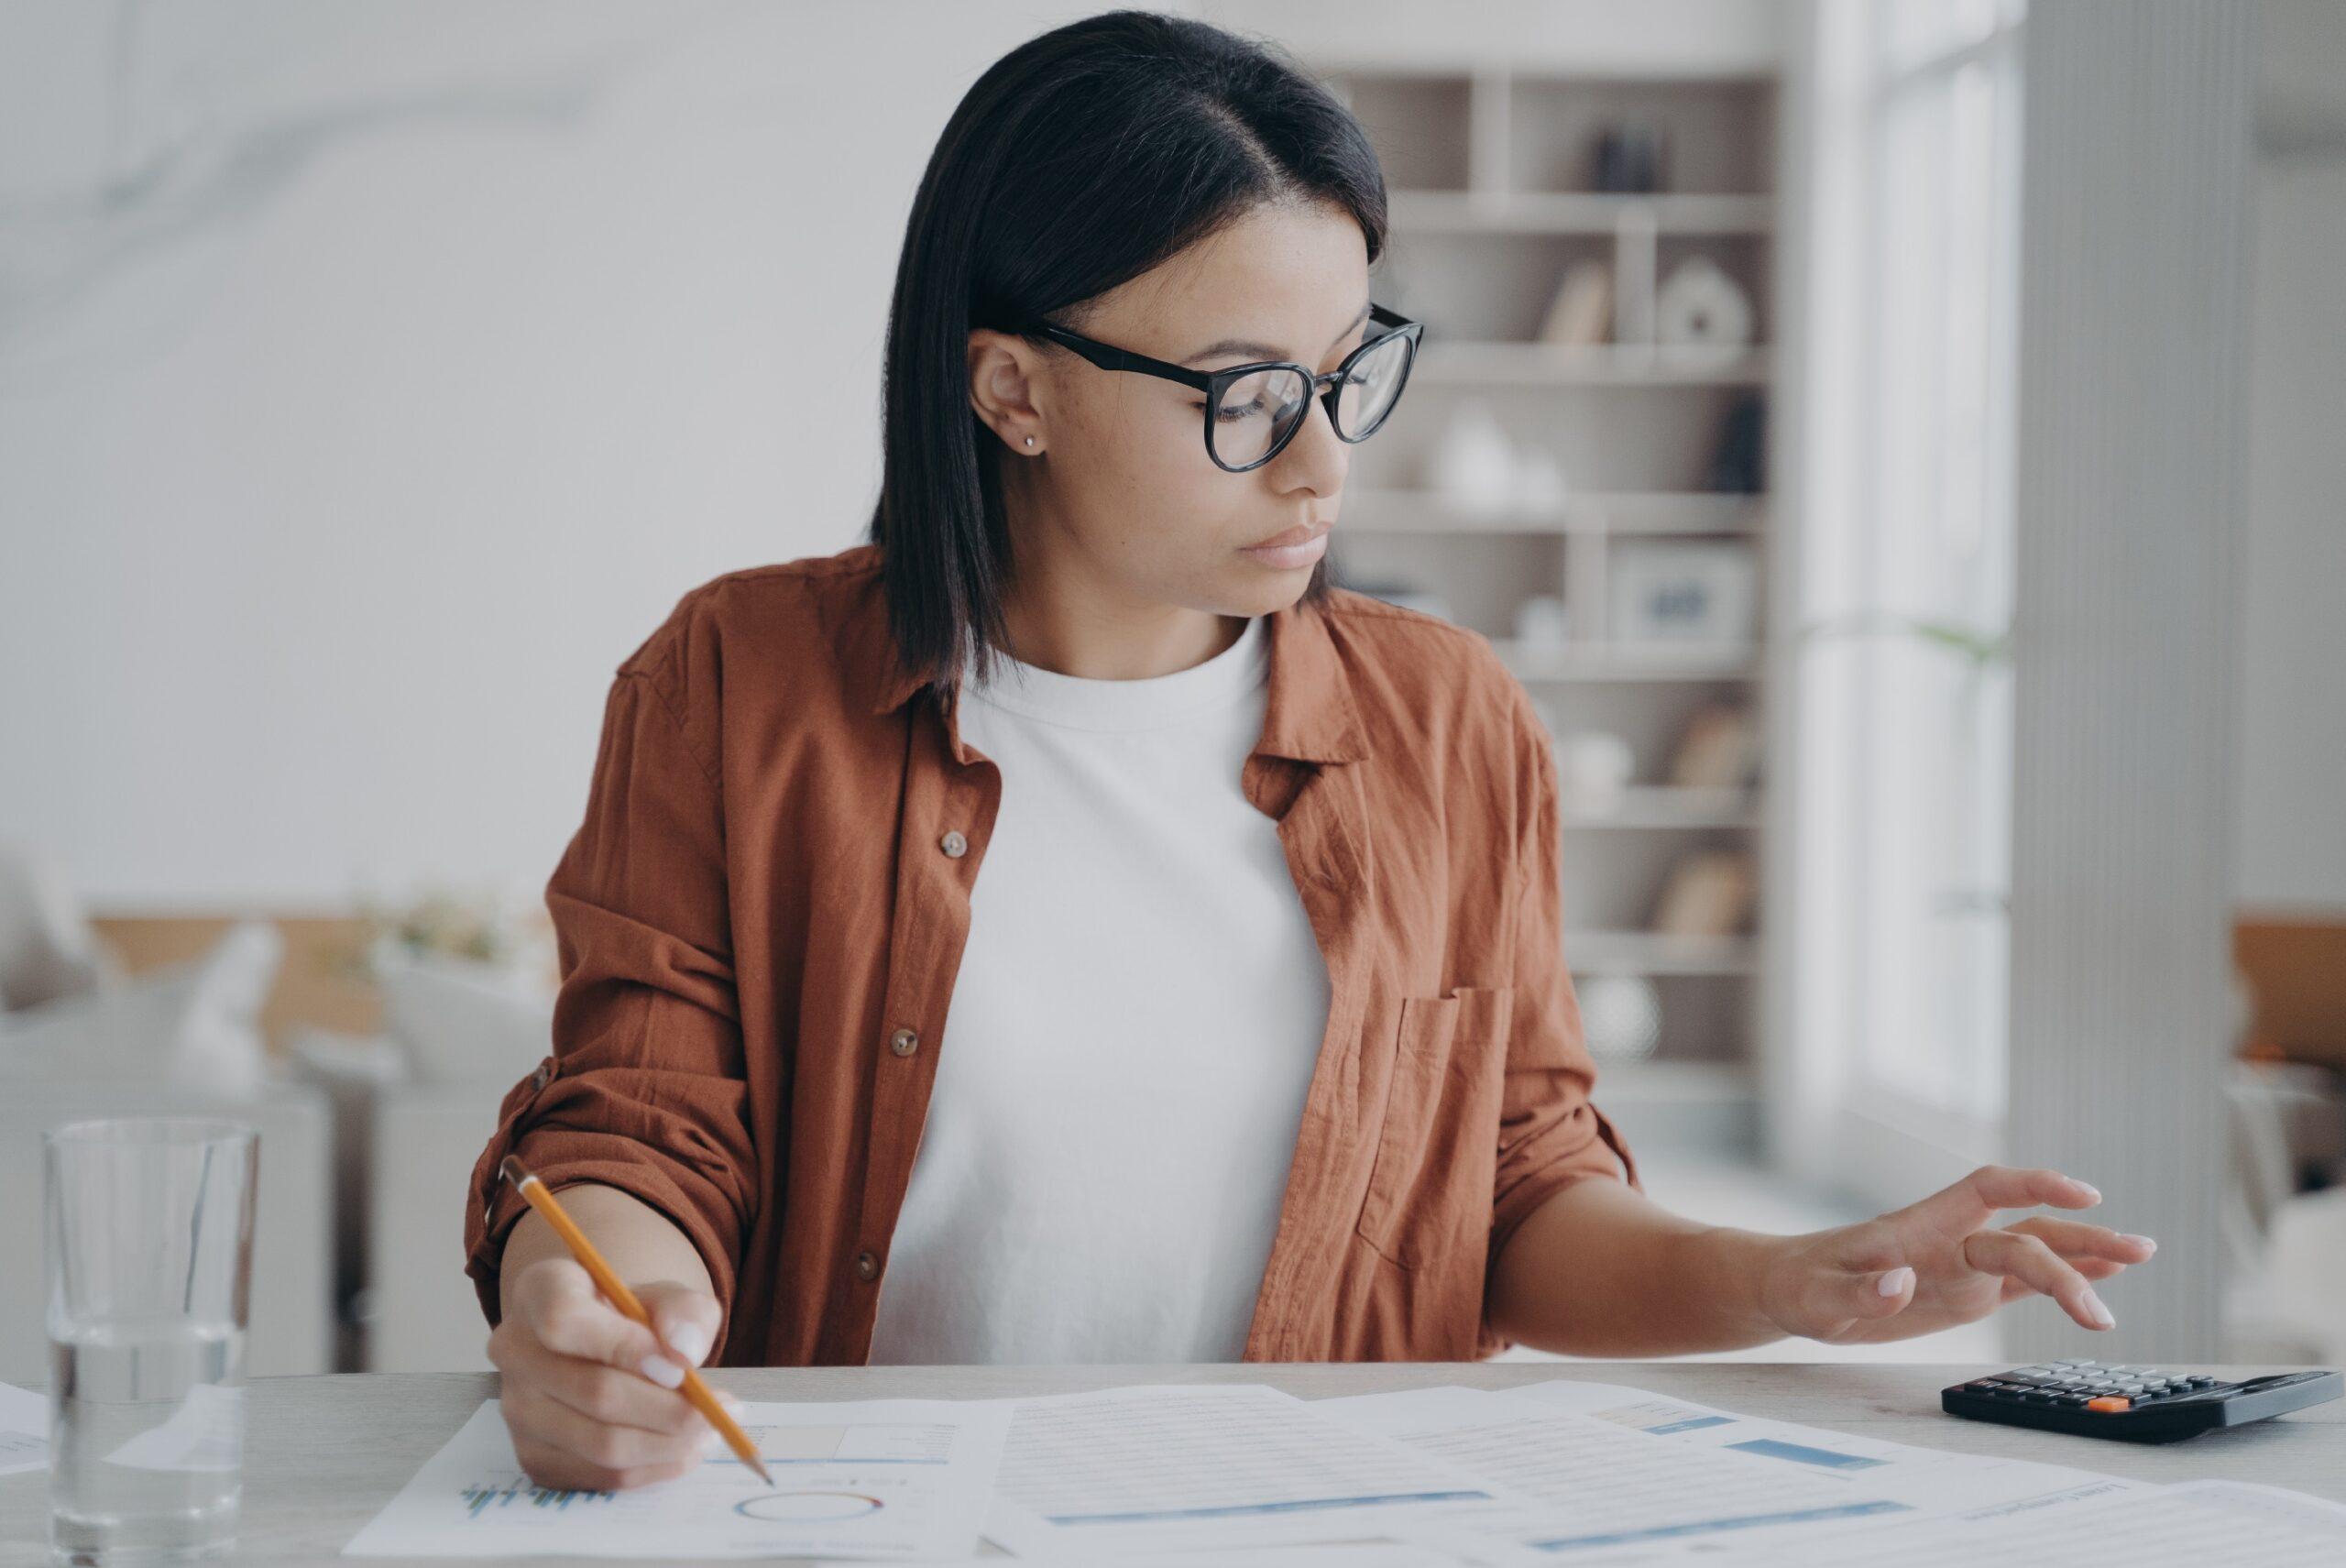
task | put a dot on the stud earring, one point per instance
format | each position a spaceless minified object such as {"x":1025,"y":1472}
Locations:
{"x":1030,"y":441}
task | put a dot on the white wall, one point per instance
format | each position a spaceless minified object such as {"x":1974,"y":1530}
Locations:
{"x":2290,"y":800}
{"x":374,"y":377}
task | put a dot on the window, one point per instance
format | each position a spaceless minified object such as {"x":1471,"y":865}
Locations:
{"x":1904,"y":669}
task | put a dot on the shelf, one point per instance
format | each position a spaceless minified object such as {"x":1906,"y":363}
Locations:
{"x":1653,"y":511}
{"x":1651,"y":953}
{"x":1492,"y":171}
{"x":1577,"y":212}
{"x":1671,"y":806}
{"x":1584,"y":661}
{"x":1471,"y":363}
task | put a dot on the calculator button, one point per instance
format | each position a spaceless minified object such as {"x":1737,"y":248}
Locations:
{"x":2072,"y":1401}
{"x":2110,"y":1402}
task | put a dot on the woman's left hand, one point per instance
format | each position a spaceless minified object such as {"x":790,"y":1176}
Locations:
{"x":1934,"y":1264}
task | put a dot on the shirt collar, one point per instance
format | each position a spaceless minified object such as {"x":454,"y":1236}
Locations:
{"x":1309,"y":714}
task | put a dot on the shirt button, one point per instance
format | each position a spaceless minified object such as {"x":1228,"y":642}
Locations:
{"x":867,"y":1266}
{"x":954,"y":844}
{"x":903,"y":1042}
{"x":544,"y":1075}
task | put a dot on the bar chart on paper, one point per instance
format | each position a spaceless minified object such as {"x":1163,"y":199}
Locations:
{"x":911,"y":1481}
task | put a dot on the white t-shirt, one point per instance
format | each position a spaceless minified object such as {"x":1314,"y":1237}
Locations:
{"x":1132,"y":1028}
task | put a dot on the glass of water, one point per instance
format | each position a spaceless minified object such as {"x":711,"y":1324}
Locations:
{"x":150,"y":1240}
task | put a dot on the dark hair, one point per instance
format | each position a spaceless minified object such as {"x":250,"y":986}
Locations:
{"x":1080,"y":161}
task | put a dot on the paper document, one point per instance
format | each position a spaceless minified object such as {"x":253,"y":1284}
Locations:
{"x":1591,"y":1484}
{"x":1927,"y":1480}
{"x":2188,"y":1525}
{"x":205,"y":1431}
{"x":23,"y":1429}
{"x":1350,"y":1554}
{"x":1186,"y":1467}
{"x":859,"y":1479}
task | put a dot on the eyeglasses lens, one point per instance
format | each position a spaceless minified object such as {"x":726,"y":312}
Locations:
{"x":1368,"y":392}
{"x":1255,"y":412}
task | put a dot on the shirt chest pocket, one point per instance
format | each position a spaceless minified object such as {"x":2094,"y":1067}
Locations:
{"x":1437,"y":1137}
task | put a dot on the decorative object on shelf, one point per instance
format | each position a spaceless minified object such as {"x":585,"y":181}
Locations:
{"x":1701,"y":314}
{"x":1719,"y":748}
{"x":1709,"y":893}
{"x":1542,"y":621}
{"x":1594,"y":768}
{"x":505,"y":928}
{"x":1682,"y":591}
{"x":1629,"y":159}
{"x":468,"y":979}
{"x":1473,"y":464}
{"x":1539,"y":484}
{"x":1739,"y":465}
{"x":1620,"y":1016}
{"x":1582,"y":312}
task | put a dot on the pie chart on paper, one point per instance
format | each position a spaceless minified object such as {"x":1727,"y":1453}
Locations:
{"x":809,"y":1508}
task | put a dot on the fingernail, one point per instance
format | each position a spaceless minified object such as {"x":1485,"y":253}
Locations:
{"x":711,"y":1441}
{"x":1895,"y":1280}
{"x":731,"y":1403}
{"x":2088,"y":1187}
{"x":691,"y":1342}
{"x":663,"y":1371}
{"x":2141,"y":1240}
{"x":2100,"y":1313}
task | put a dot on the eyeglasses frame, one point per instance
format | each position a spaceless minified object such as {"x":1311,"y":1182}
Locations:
{"x":1214,"y":382}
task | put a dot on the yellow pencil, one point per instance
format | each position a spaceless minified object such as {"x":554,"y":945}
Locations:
{"x":610,"y":1285}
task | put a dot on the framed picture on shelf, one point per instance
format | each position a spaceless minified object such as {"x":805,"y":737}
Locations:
{"x":1699,"y":591}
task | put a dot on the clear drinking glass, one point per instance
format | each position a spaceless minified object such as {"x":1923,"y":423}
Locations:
{"x":150,"y":1237}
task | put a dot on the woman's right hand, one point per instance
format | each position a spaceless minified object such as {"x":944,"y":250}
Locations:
{"x":589,"y":1394}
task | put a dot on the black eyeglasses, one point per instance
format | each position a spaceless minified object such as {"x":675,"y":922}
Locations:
{"x":1254,"y":411}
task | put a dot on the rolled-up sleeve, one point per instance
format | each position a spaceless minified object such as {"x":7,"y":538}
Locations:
{"x":1551,"y":1133}
{"x":644,"y":1089}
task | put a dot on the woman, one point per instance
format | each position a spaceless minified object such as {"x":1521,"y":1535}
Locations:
{"x":1262,"y":1042}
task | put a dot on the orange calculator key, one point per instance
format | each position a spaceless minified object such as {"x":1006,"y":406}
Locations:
{"x":2110,"y":1402}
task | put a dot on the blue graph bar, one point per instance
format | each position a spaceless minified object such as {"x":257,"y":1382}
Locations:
{"x":1701,"y":1527}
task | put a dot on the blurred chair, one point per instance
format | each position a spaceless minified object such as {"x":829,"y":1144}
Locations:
{"x":49,"y":950}
{"x":414,"y":1108}
{"x":292,"y":1311}
{"x":81,"y":1037}
{"x":420,"y":1311}
{"x":2285,"y":1288}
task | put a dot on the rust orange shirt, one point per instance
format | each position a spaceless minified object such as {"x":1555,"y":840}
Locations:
{"x":761,"y":918}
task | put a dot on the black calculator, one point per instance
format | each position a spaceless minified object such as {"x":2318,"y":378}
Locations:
{"x":2137,"y":1404}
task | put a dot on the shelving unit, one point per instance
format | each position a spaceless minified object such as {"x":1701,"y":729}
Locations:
{"x":1492,"y":199}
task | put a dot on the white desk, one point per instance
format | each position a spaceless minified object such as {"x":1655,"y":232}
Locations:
{"x":323,"y":1453}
